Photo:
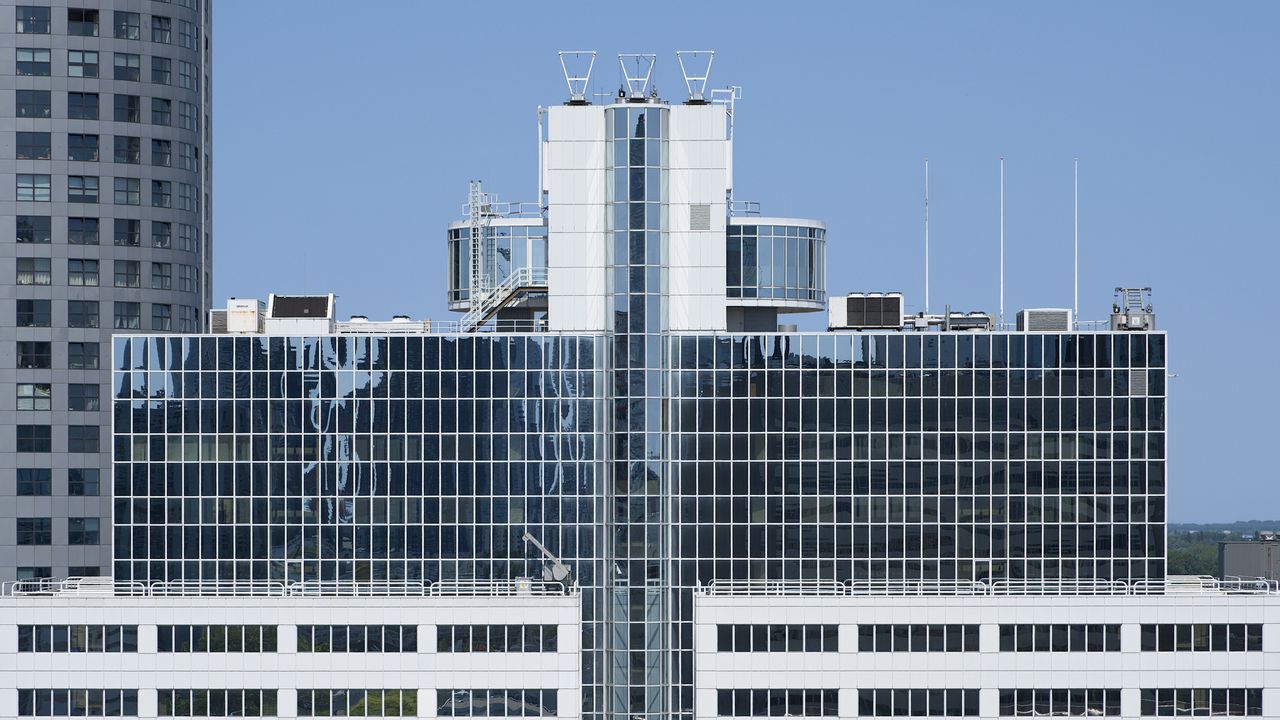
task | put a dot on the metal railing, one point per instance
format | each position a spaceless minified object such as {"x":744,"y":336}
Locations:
{"x":1174,"y":585}
{"x":107,"y":587}
{"x":483,"y":307}
{"x":744,"y":207}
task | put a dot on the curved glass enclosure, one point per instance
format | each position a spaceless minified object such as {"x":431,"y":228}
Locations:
{"x":511,"y":244}
{"x":776,"y":260}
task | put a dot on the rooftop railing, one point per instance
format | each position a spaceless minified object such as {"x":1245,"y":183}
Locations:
{"x":107,"y":587}
{"x":1174,"y":585}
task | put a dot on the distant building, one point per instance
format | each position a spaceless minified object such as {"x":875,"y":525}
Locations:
{"x":1249,"y":559}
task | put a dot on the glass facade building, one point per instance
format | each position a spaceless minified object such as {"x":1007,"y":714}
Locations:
{"x":662,"y":434}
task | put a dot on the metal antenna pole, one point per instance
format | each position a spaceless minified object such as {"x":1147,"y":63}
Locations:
{"x":1002,"y":243}
{"x":1075,"y":307}
{"x":926,"y":236}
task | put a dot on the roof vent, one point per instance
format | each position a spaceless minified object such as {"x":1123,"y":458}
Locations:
{"x":1044,"y":320}
{"x":359,"y":319}
{"x":401,"y":319}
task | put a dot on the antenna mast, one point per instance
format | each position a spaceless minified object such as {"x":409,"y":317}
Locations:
{"x":1075,"y":307}
{"x":695,"y":80}
{"x":637,"y":79}
{"x":1001,"y":243}
{"x":926,"y":236}
{"x":577,"y":77}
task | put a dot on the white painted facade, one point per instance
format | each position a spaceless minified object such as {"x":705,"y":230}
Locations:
{"x":288,"y":670}
{"x":849,"y":670}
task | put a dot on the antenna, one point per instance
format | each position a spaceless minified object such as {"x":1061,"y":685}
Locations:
{"x":1075,"y":307}
{"x":696,"y":84}
{"x":638,"y":75}
{"x":1001,"y":243}
{"x":577,"y":77}
{"x":926,"y":236}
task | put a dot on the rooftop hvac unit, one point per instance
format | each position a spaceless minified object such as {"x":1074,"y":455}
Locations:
{"x":1044,"y":320}
{"x":218,"y":322}
{"x":866,"y":310}
{"x":243,"y":316}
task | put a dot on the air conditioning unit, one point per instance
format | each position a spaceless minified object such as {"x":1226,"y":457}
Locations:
{"x":1044,"y":320}
{"x":865,"y":311}
{"x":243,"y":316}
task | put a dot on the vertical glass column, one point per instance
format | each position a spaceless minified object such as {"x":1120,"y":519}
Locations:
{"x":638,"y":637}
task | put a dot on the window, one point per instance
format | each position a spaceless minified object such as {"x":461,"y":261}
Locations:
{"x":128,"y":66}
{"x":161,"y":111}
{"x":83,"y":397}
{"x":33,"y":188}
{"x":128,"y":26}
{"x":128,"y":274}
{"x":162,"y":237}
{"x":161,"y":317}
{"x":82,"y":531}
{"x":128,"y":108}
{"x":161,"y":70}
{"x":82,"y":438}
{"x":33,"y":229}
{"x":34,"y":355}
{"x":216,"y":638}
{"x":35,"y":531}
{"x":84,"y":313}
{"x":128,"y":191}
{"x":128,"y":232}
{"x":777,"y":638}
{"x":188,"y":157}
{"x":82,"y":188}
{"x":84,"y":571}
{"x":187,"y":197}
{"x":83,"y":148}
{"x":32,"y":103}
{"x":128,"y":316}
{"x":77,"y":638}
{"x":82,"y":355}
{"x":187,"y":238}
{"x":188,"y":319}
{"x":161,"y":275}
{"x":389,"y":703}
{"x":1181,"y":702}
{"x":765,"y":702}
{"x":187,"y":278}
{"x":82,"y":273}
{"x":82,"y":64}
{"x":34,"y":313}
{"x":359,"y":638}
{"x":1077,"y":702}
{"x":188,"y":76}
{"x":35,"y":481}
{"x":83,"y":482}
{"x":204,"y":702}
{"x":1060,"y":638}
{"x":187,"y":116}
{"x":82,"y":22}
{"x":902,"y":703}
{"x":128,"y":149}
{"x":82,"y":231}
{"x":36,"y":572}
{"x":161,"y":193}
{"x":78,"y":702}
{"x":188,"y":34}
{"x":1202,"y":637}
{"x":82,"y":106}
{"x":34,"y":438}
{"x":33,"y":61}
{"x":33,"y":146}
{"x":35,"y":396}
{"x":33,"y":271}
{"x":32,"y":20}
{"x":918,"y":638}
{"x":161,"y":29}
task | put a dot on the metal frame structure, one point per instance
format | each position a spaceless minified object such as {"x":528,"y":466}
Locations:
{"x":696,"y":84}
{"x":577,"y":82}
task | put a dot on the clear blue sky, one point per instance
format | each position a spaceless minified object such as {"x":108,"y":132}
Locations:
{"x":345,"y":134}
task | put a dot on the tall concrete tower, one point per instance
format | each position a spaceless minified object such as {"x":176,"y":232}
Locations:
{"x":105,"y":168}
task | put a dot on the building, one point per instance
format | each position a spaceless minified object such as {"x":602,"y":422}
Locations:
{"x":1249,"y":559}
{"x":744,"y":516}
{"x":104,"y":187}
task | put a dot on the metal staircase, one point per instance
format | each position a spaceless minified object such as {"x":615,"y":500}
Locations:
{"x":520,"y":281}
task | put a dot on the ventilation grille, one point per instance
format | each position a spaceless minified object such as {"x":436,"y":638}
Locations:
{"x":1138,"y":383}
{"x":1044,"y":320}
{"x":700,"y":217}
{"x":218,"y":321}
{"x":883,"y":311}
